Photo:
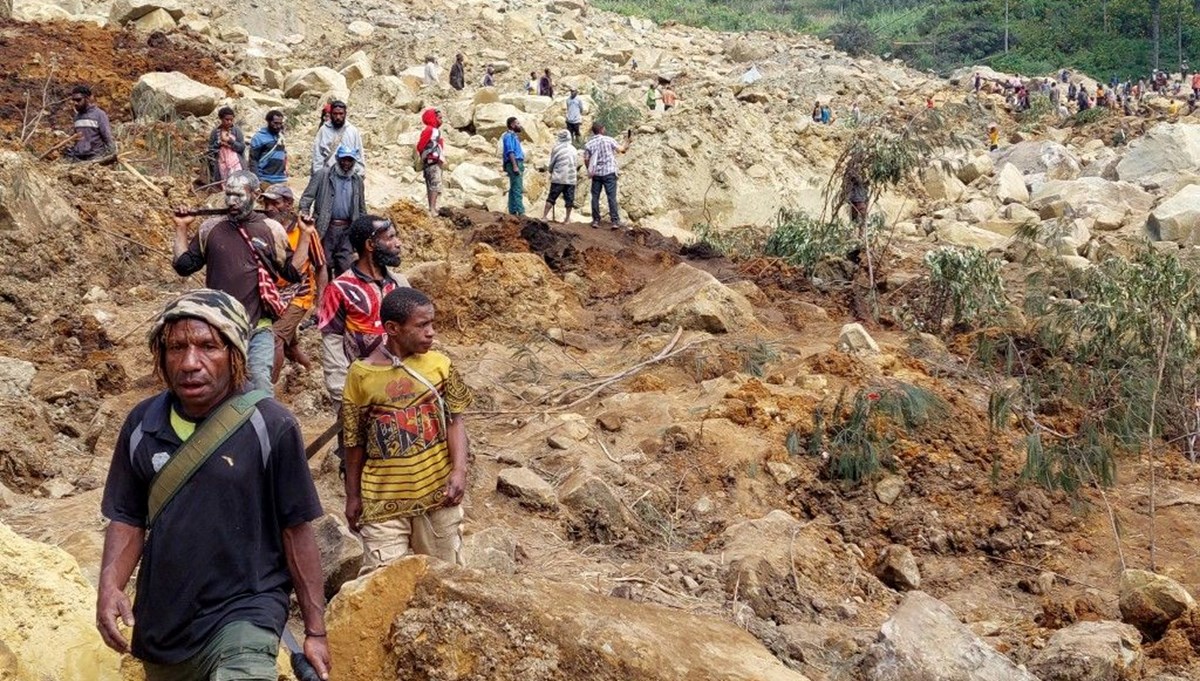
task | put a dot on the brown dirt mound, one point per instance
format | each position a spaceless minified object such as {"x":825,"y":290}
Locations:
{"x":110,"y":61}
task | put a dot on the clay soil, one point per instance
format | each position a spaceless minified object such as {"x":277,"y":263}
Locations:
{"x":709,"y":424}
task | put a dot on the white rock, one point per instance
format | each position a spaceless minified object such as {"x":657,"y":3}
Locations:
{"x":942,"y":186}
{"x":16,"y":376}
{"x":361,"y":29}
{"x":527,"y":487}
{"x":479,"y":182}
{"x":923,"y":640}
{"x":39,"y":12}
{"x":1110,"y":204}
{"x":691,"y":298}
{"x":124,"y":11}
{"x":1177,"y":218}
{"x":161,"y":93}
{"x":958,"y":234}
{"x":976,"y":167}
{"x":1010,"y":185}
{"x":491,"y":119}
{"x":157,"y":20}
{"x":385,"y":93}
{"x":854,"y":338}
{"x":319,"y":80}
{"x":1168,"y":149}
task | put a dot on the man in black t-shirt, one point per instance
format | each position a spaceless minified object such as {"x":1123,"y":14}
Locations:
{"x":225,"y":550}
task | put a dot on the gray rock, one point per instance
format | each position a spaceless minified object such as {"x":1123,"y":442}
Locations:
{"x":1151,"y":601}
{"x":854,"y":338}
{"x":124,"y":11}
{"x":162,"y":94}
{"x":924,"y":641}
{"x":888,"y":489}
{"x":528,"y":488}
{"x":341,"y":552}
{"x":595,"y":510}
{"x":1176,"y":218}
{"x":692,"y":298}
{"x":16,"y":376}
{"x":1090,"y":651}
{"x":898,"y":569}
{"x":491,"y":549}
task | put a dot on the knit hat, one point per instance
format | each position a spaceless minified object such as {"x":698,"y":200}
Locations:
{"x":218,"y":309}
{"x":563,"y":136}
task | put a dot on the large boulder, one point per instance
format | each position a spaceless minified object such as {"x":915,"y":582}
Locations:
{"x":1111,"y":204}
{"x":384,"y":93}
{"x":318,"y":79}
{"x":124,"y":11}
{"x":897,"y":568}
{"x":31,"y":207}
{"x":975,"y":168}
{"x":478,"y":182}
{"x":1041,"y":157}
{"x":942,"y":186}
{"x":1177,"y":218}
{"x":691,"y":298}
{"x":924,"y":641}
{"x":431,"y":619}
{"x":341,"y":551}
{"x":158,"y":20}
{"x":1090,"y":651}
{"x":1010,"y":185}
{"x":162,"y":94}
{"x":528,"y":488}
{"x":1151,"y":601}
{"x":491,"y":119}
{"x":1167,"y":150}
{"x":960,"y":234}
{"x":48,"y":630}
{"x":595,"y":510}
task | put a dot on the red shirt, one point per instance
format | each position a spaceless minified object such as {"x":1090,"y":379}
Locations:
{"x":350,"y":308}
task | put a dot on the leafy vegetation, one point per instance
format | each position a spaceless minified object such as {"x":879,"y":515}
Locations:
{"x":855,"y":435}
{"x":1102,"y":37}
{"x":964,"y":285}
{"x":614,"y":113}
{"x":802,"y":241}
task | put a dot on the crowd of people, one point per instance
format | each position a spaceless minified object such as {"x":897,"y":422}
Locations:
{"x":216,"y":460}
{"x":1125,"y":97}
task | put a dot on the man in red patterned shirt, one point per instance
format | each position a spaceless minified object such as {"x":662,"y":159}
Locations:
{"x":349,"y":313}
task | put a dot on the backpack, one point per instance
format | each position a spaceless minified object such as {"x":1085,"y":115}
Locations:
{"x":431,"y":153}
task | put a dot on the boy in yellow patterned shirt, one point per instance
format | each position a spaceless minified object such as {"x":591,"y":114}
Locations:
{"x":406,"y":442}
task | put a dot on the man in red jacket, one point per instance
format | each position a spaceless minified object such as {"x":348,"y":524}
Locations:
{"x":431,"y":148}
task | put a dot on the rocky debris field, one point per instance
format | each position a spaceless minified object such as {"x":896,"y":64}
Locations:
{"x":653,"y":494}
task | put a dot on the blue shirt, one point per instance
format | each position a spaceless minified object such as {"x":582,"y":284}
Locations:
{"x":512,"y":145}
{"x":268,"y":156}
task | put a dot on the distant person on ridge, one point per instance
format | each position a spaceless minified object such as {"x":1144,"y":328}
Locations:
{"x":456,"y":72}
{"x":574,"y":114}
{"x":432,"y":72}
{"x":268,"y":155}
{"x":513,"y":161}
{"x":93,"y":134}
{"x":600,"y":157}
{"x":226,"y":147}
{"x":545,"y":85}
{"x":431,"y":147}
{"x":489,"y":77}
{"x":334,"y":134}
{"x":564,"y":174}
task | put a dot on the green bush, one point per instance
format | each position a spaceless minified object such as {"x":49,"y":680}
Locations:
{"x":964,"y":285}
{"x":852,"y":37}
{"x":614,"y":113}
{"x":802,"y":241}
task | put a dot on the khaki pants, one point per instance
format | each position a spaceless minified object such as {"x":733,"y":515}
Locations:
{"x":436,"y":533}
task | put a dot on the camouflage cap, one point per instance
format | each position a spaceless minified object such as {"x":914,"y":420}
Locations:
{"x":220,"y":310}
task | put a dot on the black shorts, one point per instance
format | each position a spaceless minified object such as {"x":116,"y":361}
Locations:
{"x":573,"y":128}
{"x":567,"y":191}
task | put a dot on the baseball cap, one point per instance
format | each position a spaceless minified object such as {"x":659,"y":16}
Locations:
{"x":343,"y":152}
{"x":279,"y":191}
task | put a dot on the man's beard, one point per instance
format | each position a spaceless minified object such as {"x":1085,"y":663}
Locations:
{"x":385,"y":259}
{"x":283,"y":217}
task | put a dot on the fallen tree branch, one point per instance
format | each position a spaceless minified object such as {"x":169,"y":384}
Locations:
{"x":1060,"y":575}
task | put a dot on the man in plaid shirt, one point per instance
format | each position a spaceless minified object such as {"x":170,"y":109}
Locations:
{"x":600,"y":157}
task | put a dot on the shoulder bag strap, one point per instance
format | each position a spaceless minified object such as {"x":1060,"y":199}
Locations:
{"x":337,"y":142}
{"x":200,"y":446}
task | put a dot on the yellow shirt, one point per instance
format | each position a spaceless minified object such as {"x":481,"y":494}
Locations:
{"x":402,"y":427}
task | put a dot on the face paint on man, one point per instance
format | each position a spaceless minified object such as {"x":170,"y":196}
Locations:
{"x":241,"y":190}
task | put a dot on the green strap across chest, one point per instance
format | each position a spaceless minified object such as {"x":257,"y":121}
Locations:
{"x":207,"y":439}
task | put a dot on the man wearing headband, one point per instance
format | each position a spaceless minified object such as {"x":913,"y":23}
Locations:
{"x":233,"y":535}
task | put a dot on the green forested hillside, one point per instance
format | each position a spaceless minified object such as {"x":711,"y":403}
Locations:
{"x":1101,"y":37}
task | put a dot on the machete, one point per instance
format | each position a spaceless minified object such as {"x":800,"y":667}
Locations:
{"x":323,"y":439}
{"x":301,"y":667}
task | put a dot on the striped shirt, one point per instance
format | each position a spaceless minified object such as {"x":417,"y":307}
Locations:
{"x":601,"y":153}
{"x":402,"y":427}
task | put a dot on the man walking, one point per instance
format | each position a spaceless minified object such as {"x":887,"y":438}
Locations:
{"x":457,"y":77}
{"x":574,"y":114}
{"x":431,"y":147}
{"x":209,"y":490}
{"x":600,"y":157}
{"x":563,"y":167}
{"x":513,"y":159}
{"x":335,"y":197}
{"x":299,"y":297}
{"x":406,"y":440}
{"x":268,"y":155}
{"x":93,"y":134}
{"x":432,"y":72}
{"x":335,"y":134}
{"x":349,"y":313}
{"x":489,"y":77}
{"x":243,"y":254}
{"x":545,"y":85}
